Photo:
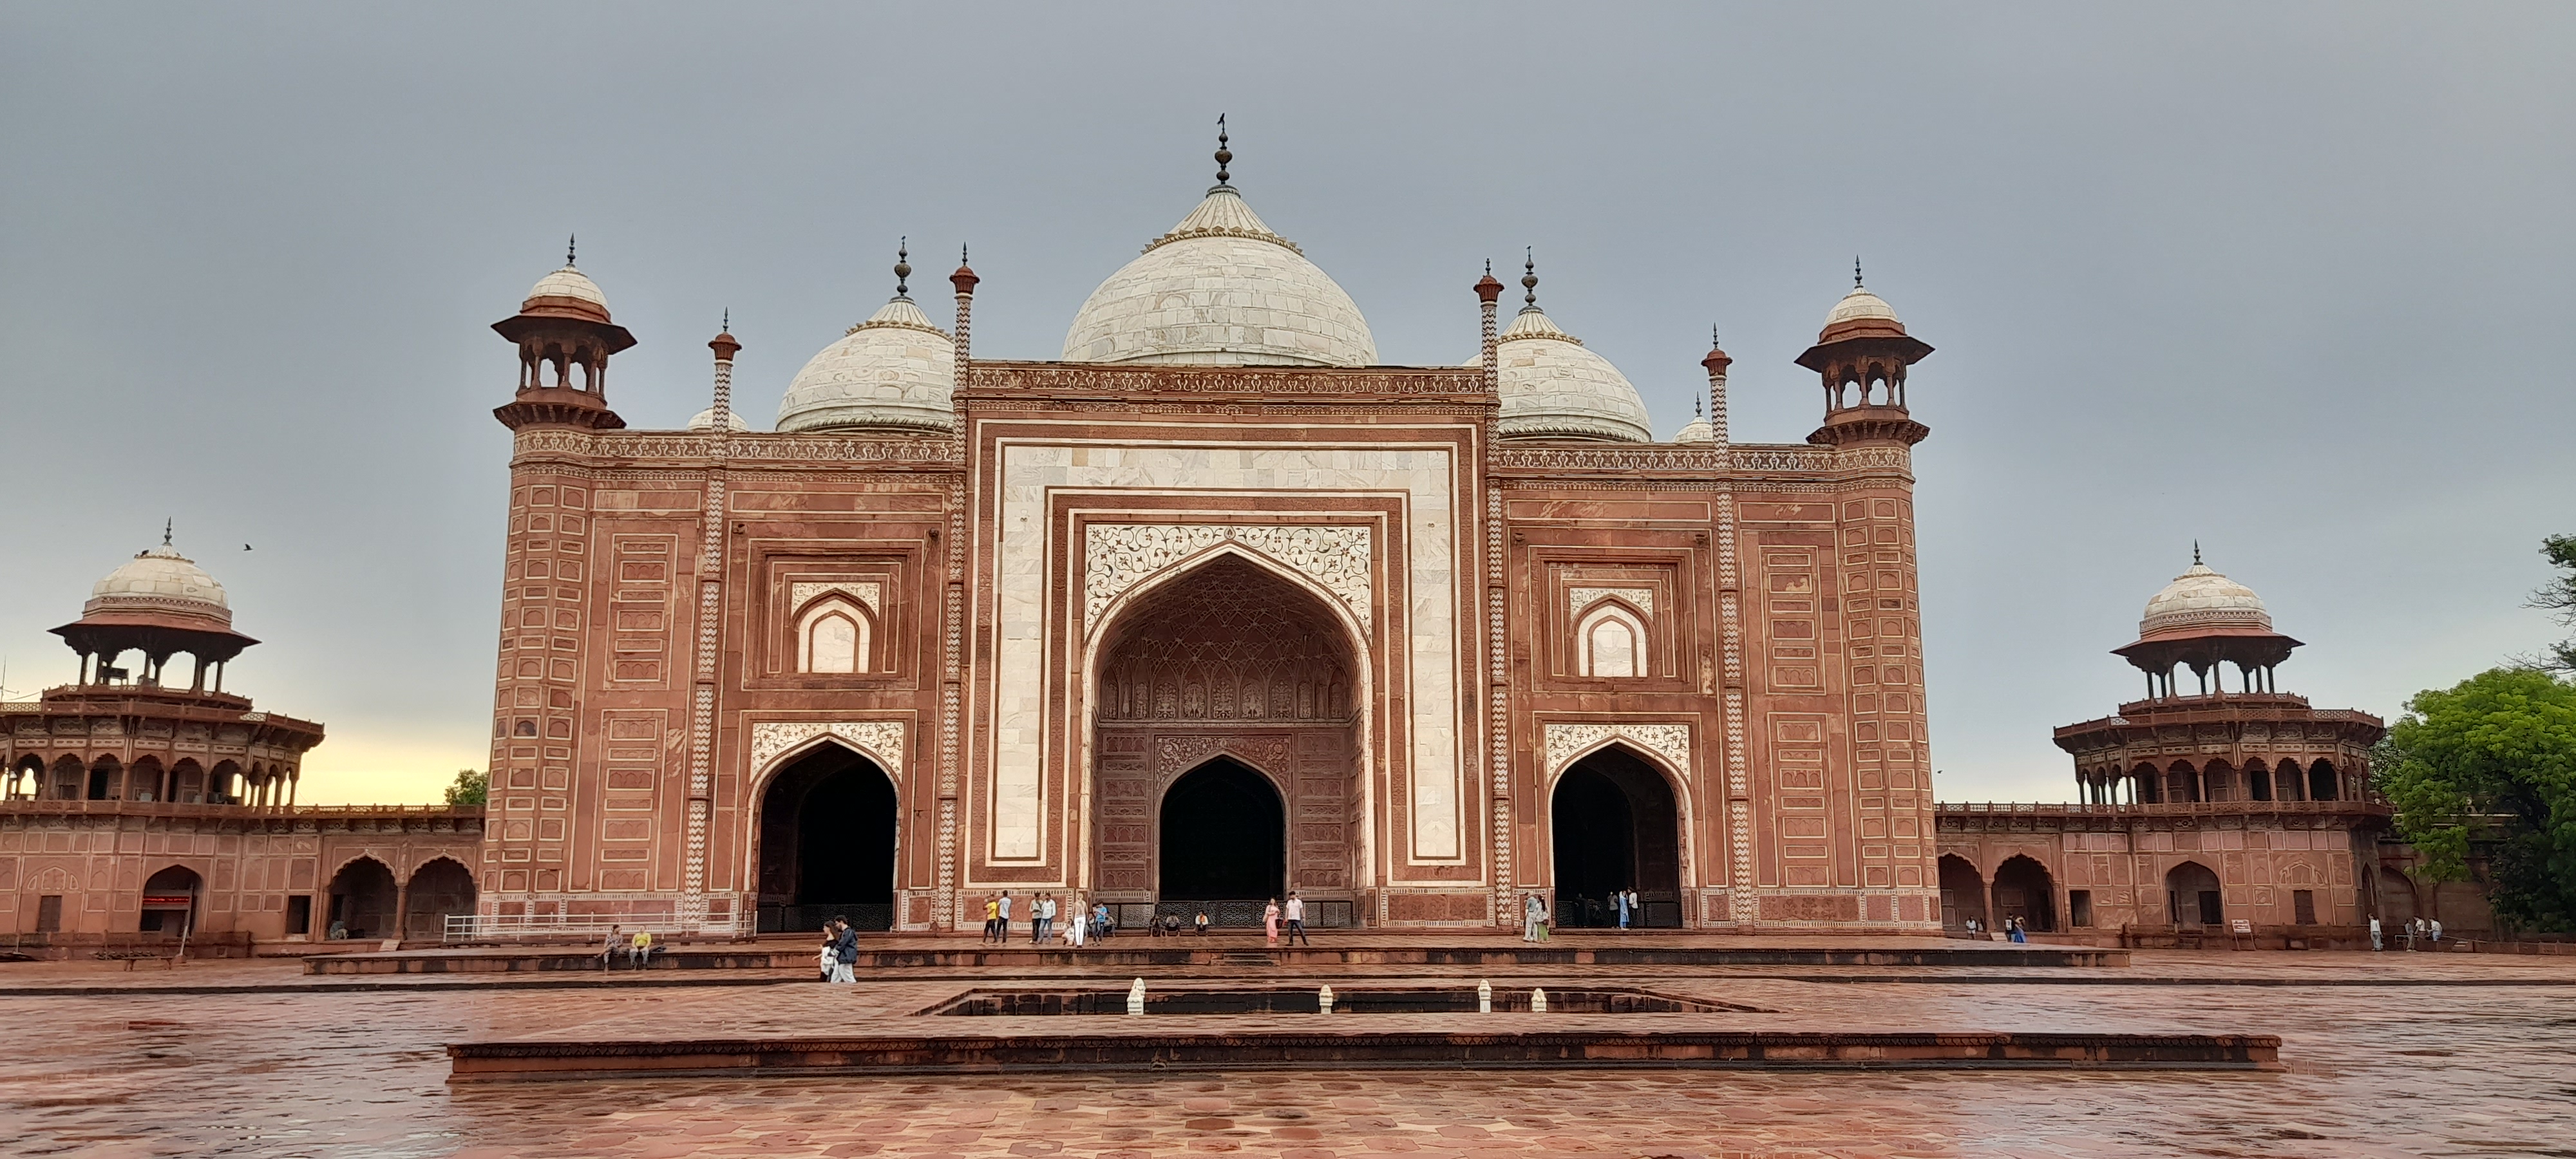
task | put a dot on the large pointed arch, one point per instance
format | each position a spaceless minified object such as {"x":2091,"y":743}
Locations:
{"x":826,"y":832}
{"x":1619,"y":818}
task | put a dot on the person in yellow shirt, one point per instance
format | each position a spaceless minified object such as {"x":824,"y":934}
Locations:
{"x":640,"y":951}
{"x":992,"y":918}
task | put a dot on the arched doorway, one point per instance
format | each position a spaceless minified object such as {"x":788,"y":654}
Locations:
{"x":362,"y":901}
{"x":2192,"y":897}
{"x":170,"y":902}
{"x":439,"y":890}
{"x":2023,"y":890}
{"x":1614,"y":827}
{"x":1223,"y":836}
{"x":1963,"y":892}
{"x":827,"y":843}
{"x":1230,"y":682}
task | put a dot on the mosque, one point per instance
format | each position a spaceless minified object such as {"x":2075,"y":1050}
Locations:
{"x":1214,"y":607}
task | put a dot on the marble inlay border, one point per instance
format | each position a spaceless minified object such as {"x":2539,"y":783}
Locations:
{"x":881,"y":741}
{"x":869,"y":593}
{"x":1565,"y":742}
{"x":1581,"y":598}
{"x":1118,"y":556}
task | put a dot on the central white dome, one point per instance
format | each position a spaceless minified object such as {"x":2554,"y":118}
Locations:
{"x":1221,"y":290}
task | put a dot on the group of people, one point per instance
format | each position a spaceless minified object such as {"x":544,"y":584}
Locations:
{"x":1043,"y":911}
{"x":638,"y":948}
{"x":1294,"y":911}
{"x":2014,"y":930}
{"x":2417,"y":930}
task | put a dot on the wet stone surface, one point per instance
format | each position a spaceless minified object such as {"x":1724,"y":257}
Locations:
{"x":2394,"y":1067}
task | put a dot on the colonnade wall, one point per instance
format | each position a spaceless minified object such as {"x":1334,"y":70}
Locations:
{"x":2298,"y":874}
{"x":81,"y":875}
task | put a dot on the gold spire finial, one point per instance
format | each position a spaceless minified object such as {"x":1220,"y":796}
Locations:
{"x":1224,"y":156}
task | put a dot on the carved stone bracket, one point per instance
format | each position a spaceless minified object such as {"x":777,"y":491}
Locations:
{"x":881,"y":741}
{"x":1118,"y":556}
{"x":1565,"y":742}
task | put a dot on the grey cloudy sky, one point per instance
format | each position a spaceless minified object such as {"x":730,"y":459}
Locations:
{"x":2287,"y":279}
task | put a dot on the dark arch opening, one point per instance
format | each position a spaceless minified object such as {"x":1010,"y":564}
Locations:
{"x":2023,"y":890}
{"x":440,"y":889}
{"x":1224,"y":835}
{"x":1615,"y":827}
{"x":170,"y":902}
{"x":2321,"y":782}
{"x":362,"y":901}
{"x":2192,"y":896}
{"x":827,"y":843}
{"x":1963,"y":892}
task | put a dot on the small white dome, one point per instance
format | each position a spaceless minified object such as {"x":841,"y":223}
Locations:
{"x":2201,"y":598}
{"x":160,"y":579}
{"x":569,"y":283}
{"x":1221,"y":290}
{"x":893,"y":370}
{"x":1859,"y":304}
{"x":1554,"y":388}
{"x":1697,"y":431}
{"x":705,"y":420}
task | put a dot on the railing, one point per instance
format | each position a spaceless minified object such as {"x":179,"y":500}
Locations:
{"x":2160,"y":809}
{"x":494,"y":927}
{"x":1224,"y":915}
{"x":59,"y":805}
{"x":809,"y":918}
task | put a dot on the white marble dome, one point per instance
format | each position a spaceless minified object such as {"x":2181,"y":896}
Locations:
{"x":568,"y":283}
{"x":1553,"y":387}
{"x":1220,"y":290}
{"x":1696,"y":432}
{"x":894,"y":371}
{"x":1860,"y":304}
{"x":159,"y":579}
{"x":2201,"y":599}
{"x":705,"y":420}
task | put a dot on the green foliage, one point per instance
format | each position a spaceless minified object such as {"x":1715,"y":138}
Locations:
{"x":2492,"y":762}
{"x":2559,"y":595}
{"x":469,"y":789}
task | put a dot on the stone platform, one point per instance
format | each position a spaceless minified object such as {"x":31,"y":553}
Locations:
{"x":882,"y":954}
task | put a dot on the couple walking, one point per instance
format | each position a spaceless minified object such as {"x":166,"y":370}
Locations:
{"x":840,"y":954}
{"x":1295,"y":912}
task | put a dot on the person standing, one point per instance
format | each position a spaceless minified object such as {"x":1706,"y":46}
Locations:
{"x":1297,"y":920}
{"x":1533,"y":911}
{"x":2020,"y":932}
{"x":1270,"y":921}
{"x":1002,"y":931}
{"x":2374,"y":932}
{"x":1620,"y":899}
{"x":824,"y":960}
{"x":845,"y":952}
{"x":608,"y":952}
{"x":2437,"y":933}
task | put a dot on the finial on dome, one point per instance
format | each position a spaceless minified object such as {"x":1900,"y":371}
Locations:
{"x":726,"y":325}
{"x":2195,"y":554}
{"x":1529,"y":278}
{"x":902,"y":266}
{"x":569,"y":240}
{"x":1696,"y":412}
{"x":166,"y":524}
{"x":1855,"y":271}
{"x":1224,"y":156}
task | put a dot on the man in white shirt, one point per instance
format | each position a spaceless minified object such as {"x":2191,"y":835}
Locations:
{"x":1045,"y":916}
{"x":1296,"y":914}
{"x":2374,"y":931}
{"x":1005,"y":931}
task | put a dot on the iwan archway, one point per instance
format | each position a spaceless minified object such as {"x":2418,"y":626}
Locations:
{"x":827,"y":842}
{"x":1614,"y":826}
{"x":1226,"y":736}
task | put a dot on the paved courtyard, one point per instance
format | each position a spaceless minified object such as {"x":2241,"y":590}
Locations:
{"x":2386,"y":1055}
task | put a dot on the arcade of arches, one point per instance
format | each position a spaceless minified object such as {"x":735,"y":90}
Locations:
{"x":1614,"y":827}
{"x":366,"y":902}
{"x":1225,"y":739}
{"x":827,"y":842}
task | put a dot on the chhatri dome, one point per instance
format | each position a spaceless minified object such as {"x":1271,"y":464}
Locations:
{"x":705,"y":420}
{"x":2200,"y":601}
{"x":163,"y":583}
{"x":894,"y":371}
{"x":1552,"y":387}
{"x":1220,"y":289}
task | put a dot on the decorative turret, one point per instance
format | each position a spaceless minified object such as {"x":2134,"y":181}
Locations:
{"x":1862,"y":354}
{"x":161,"y":604}
{"x":564,"y":337}
{"x":2203,"y":620}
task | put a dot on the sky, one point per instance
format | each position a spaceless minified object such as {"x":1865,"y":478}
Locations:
{"x":2285,"y":280}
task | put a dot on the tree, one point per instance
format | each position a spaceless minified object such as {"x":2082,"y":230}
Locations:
{"x":2559,"y":596}
{"x":2492,"y":761}
{"x":469,"y":789}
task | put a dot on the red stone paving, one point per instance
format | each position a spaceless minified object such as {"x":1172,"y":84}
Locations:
{"x":2398,"y":1067}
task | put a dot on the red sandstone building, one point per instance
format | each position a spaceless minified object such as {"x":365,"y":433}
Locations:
{"x":2206,"y":815}
{"x":1216,"y":605}
{"x":136,"y":813}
